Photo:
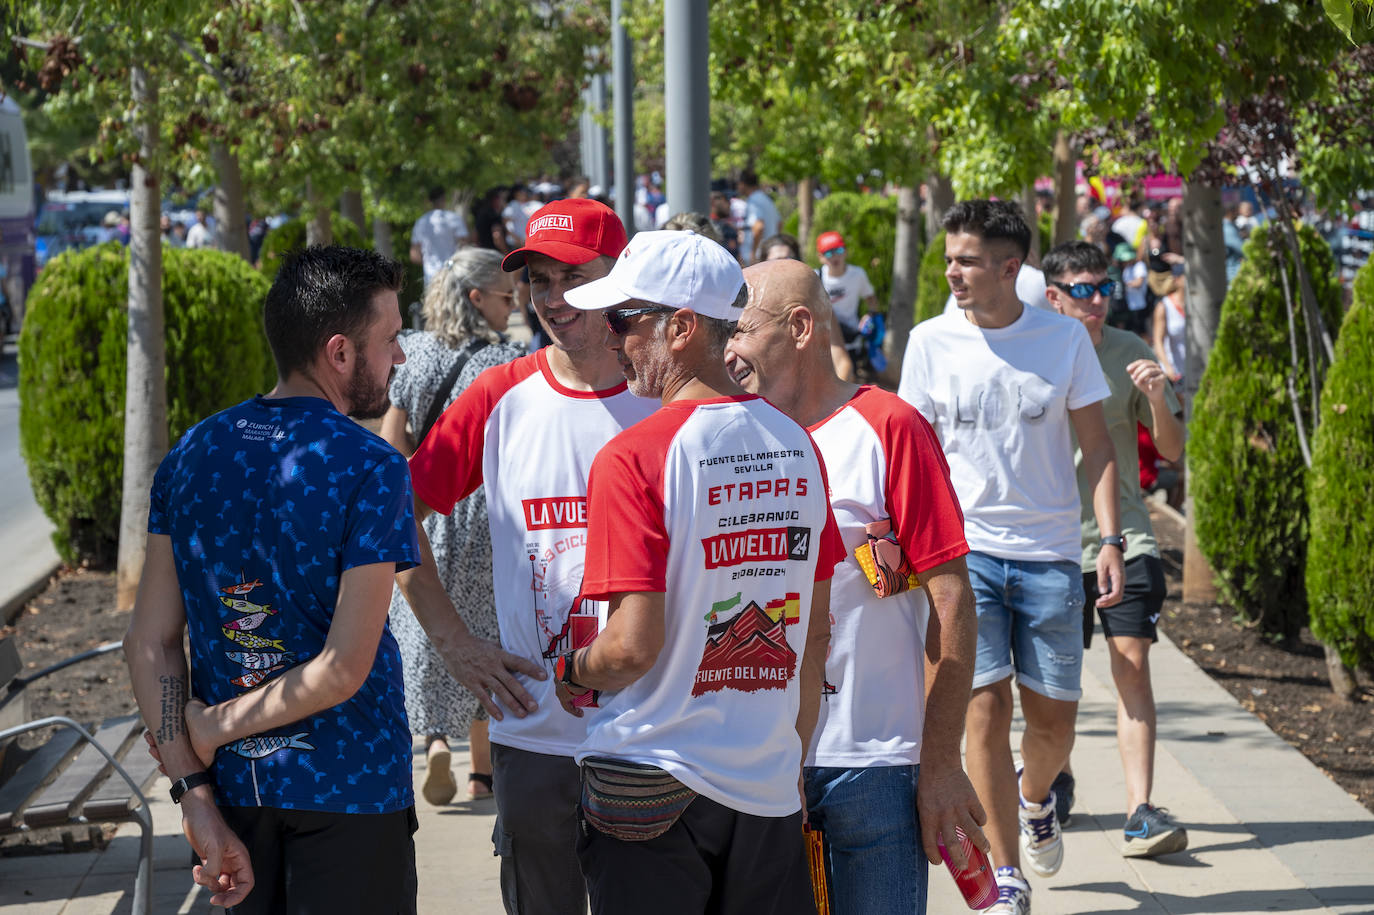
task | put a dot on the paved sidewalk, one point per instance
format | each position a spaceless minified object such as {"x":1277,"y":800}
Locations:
{"x":1268,"y":831}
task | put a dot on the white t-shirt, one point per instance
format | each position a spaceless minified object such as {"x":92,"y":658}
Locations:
{"x":999,"y":400}
{"x":438,"y":233}
{"x":884,"y":462}
{"x":720,"y":505}
{"x":759,"y":207}
{"x":199,"y":236}
{"x":531,"y":442}
{"x":1175,"y":331}
{"x":1135,"y":295}
{"x":517,"y":216}
{"x":846,"y":292}
{"x":1030,"y":288}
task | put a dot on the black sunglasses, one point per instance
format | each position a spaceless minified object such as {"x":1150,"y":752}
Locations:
{"x":618,"y":319}
{"x":1086,"y":290}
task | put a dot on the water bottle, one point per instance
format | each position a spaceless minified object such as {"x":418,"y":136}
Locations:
{"x":976,"y":880}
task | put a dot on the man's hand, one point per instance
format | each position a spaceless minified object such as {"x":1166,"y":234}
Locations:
{"x":1148,"y":375}
{"x":945,"y":799}
{"x":566,"y":697}
{"x":1111,"y":576}
{"x":225,"y":868}
{"x":489,"y":671}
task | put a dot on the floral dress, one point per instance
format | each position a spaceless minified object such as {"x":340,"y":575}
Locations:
{"x":435,"y":702}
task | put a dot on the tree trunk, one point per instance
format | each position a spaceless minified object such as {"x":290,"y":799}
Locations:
{"x":318,"y":230}
{"x":906,"y":266}
{"x":1342,"y":678}
{"x":351,"y":208}
{"x":1205,"y":253}
{"x":1028,"y":206}
{"x":939,"y":198}
{"x":806,"y":209}
{"x":1065,"y":189}
{"x":145,"y":392}
{"x":381,"y":237}
{"x":231,"y":213}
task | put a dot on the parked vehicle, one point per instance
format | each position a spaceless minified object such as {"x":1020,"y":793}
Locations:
{"x":16,"y":217}
{"x":75,"y":220}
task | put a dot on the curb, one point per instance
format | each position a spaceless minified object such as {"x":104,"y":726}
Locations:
{"x":12,"y":606}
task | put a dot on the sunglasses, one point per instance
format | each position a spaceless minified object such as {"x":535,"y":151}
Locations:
{"x":1087,"y":290}
{"x":833,"y":252}
{"x":618,"y":319}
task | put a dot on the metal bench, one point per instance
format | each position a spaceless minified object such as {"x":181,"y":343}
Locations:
{"x":84,"y":773}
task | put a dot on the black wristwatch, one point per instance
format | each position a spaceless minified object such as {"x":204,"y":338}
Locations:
{"x":1116,"y":540}
{"x":563,"y":671}
{"x":186,"y":783}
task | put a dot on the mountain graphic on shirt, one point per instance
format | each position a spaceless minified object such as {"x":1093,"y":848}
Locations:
{"x":747,"y":652}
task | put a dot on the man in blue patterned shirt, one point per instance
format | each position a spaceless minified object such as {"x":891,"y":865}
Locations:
{"x":275,"y":530}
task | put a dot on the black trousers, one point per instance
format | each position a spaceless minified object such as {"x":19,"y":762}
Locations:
{"x":712,"y":861}
{"x":310,"y":863}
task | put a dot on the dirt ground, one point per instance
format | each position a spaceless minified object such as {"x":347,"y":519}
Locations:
{"x":1285,"y":685}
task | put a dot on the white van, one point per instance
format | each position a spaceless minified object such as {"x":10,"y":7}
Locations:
{"x":16,"y":217}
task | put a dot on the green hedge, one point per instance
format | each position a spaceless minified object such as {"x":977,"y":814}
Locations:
{"x":1340,"y":564}
{"x":1247,"y":474}
{"x":932,"y":289}
{"x":289,"y":237}
{"x":72,"y":375}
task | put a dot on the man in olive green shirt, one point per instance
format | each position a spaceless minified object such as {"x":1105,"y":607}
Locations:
{"x":1077,"y":286}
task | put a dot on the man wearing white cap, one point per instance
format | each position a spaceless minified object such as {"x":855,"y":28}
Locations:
{"x":710,"y":535}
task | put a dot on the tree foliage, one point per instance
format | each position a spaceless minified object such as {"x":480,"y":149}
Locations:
{"x":1246,"y":464}
{"x":1340,"y":559}
{"x":932,"y":290}
{"x":71,"y":378}
{"x":289,"y":238}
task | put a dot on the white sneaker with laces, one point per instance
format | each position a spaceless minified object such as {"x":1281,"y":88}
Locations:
{"x":1013,"y":893}
{"x":1042,"y":844}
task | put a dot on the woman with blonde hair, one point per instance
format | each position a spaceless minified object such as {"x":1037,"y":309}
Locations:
{"x":466,"y":308}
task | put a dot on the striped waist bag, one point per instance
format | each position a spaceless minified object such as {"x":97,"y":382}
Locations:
{"x":631,"y":801}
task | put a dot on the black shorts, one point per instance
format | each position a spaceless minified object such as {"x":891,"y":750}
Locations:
{"x":1138,"y":611}
{"x":305,"y":861}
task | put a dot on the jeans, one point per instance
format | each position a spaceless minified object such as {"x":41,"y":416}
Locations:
{"x":1030,"y":614}
{"x":872,"y":838}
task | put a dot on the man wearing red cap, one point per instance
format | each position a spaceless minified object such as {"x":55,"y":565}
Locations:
{"x":710,"y":535}
{"x":527,"y":431}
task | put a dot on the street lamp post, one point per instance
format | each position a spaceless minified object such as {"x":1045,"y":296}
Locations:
{"x":686,"y":45}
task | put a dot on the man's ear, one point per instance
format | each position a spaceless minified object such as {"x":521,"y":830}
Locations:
{"x":681,"y":324}
{"x":1011,"y":268}
{"x":339,"y":354}
{"x":801,"y":325}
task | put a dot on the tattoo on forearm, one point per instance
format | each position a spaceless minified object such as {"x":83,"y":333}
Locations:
{"x":173,"y":712}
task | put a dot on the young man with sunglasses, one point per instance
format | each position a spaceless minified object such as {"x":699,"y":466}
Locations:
{"x":710,"y":535}
{"x":1140,"y":393}
{"x":883,"y":776}
{"x":527,"y":431}
{"x":1004,"y":384}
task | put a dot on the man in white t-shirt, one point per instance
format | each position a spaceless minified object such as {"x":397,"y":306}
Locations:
{"x":528,"y":431}
{"x":518,"y":212}
{"x":1003,"y":384}
{"x":709,"y":533}
{"x":760,"y":216}
{"x":436,"y":235}
{"x":883,"y":775}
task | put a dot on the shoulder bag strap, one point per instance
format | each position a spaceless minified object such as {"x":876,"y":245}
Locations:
{"x":436,"y":406}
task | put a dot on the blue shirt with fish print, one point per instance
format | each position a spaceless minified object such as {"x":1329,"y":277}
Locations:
{"x":267,"y":504}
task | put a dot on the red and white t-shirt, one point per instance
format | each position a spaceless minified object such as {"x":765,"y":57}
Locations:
{"x":531,"y":441}
{"x":884,"y":462}
{"x":720,"y":505}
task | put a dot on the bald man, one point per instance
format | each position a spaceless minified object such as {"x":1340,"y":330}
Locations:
{"x":883,"y":776}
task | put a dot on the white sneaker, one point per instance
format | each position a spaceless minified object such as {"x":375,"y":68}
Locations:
{"x":1013,"y":893}
{"x":1042,"y":845}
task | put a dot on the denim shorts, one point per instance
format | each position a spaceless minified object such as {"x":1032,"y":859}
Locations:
{"x":872,"y":838}
{"x":1030,"y":621}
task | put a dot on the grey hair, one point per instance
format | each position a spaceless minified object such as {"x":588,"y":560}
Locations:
{"x":448,"y":309}
{"x":691,"y":221}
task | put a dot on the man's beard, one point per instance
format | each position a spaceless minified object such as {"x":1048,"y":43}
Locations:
{"x":651,"y":370}
{"x":367,"y":399}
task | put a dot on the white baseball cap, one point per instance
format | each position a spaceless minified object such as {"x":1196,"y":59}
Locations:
{"x":673,"y":268}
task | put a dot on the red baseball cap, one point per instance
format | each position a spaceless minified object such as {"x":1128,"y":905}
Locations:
{"x":829,"y":241}
{"x":574,"y":230}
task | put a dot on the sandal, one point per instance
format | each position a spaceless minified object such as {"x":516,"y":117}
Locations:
{"x":479,"y":785}
{"x":439,"y":786}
